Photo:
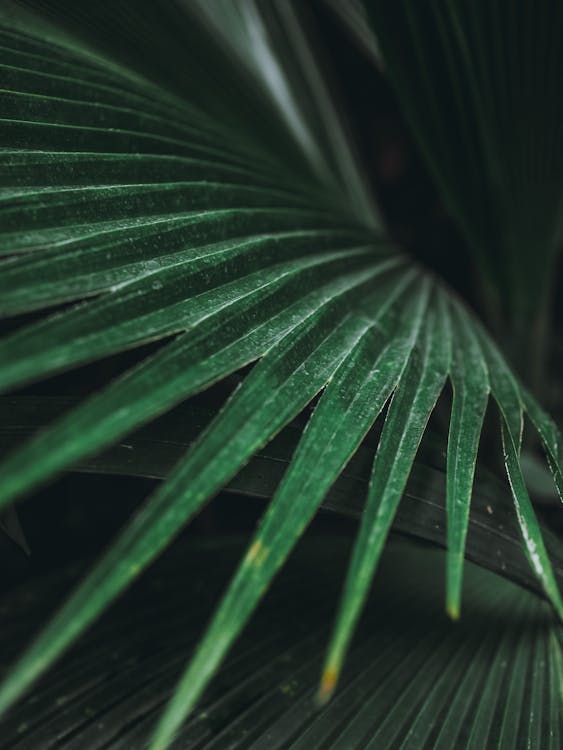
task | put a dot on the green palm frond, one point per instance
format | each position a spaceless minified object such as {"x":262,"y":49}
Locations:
{"x":493,"y":540}
{"x":157,"y":184}
{"x":411,"y":679}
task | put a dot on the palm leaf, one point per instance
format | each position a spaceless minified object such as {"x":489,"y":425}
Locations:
{"x":349,"y":406}
{"x":412,"y":677}
{"x":182,"y":214}
{"x":414,"y":399}
{"x":470,"y":395}
{"x":478,"y":87}
{"x":154,"y":450}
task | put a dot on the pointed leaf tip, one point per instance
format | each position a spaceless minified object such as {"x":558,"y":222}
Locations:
{"x":328,"y":684}
{"x":453,"y":610}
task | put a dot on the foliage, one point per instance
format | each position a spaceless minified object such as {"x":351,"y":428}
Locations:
{"x":411,"y":678}
{"x":179,"y":176}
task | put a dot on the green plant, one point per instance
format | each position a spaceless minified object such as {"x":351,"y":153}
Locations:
{"x":169,"y":194}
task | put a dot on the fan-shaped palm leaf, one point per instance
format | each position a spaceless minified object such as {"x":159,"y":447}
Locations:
{"x":166,"y":192}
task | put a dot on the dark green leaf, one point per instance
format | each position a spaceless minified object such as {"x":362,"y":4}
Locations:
{"x":352,"y":400}
{"x":420,"y":384}
{"x":496,"y":672}
{"x":529,"y":526}
{"x":470,"y":384}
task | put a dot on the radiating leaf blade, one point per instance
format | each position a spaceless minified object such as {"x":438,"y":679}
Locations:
{"x":274,"y":672}
{"x":221,"y":345}
{"x":550,"y":436}
{"x":417,"y":392}
{"x":531,"y":534}
{"x":470,"y":383}
{"x":290,"y":375}
{"x":348,"y":407}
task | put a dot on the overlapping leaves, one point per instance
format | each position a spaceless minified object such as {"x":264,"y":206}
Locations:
{"x":492,"y":679}
{"x":155,"y":218}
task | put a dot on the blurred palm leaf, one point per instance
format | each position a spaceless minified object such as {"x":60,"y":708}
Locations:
{"x":479,"y":87}
{"x":191,"y":176}
{"x":413,"y":679}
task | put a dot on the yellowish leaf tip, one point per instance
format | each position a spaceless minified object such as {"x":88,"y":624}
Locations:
{"x":452,"y":611}
{"x":328,"y":685}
